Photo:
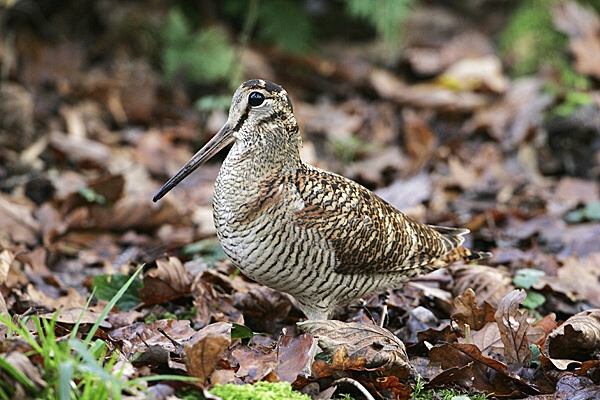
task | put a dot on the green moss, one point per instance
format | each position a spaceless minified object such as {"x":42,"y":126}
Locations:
{"x":530,"y":38}
{"x":530,"y":41}
{"x":260,"y":390}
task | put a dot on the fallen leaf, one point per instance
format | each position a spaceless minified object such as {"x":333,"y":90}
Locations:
{"x":513,"y":328}
{"x":578,"y":338}
{"x":419,"y":140}
{"x":378,"y":346}
{"x":340,"y":361}
{"x":582,"y":25}
{"x":517,"y":116}
{"x":6,"y":259}
{"x":469,"y":313}
{"x":142,"y":335}
{"x":490,"y":284}
{"x":293,"y":354}
{"x":204,"y":349}
{"x":476,"y":74}
{"x":24,"y":365}
{"x":261,"y":301}
{"x":84,"y":152}
{"x":255,"y":362}
{"x":16,"y":222}
{"x":168,"y":281}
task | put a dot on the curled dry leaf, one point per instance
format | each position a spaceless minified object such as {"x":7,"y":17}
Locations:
{"x":256,"y":363}
{"x":261,"y":301}
{"x":464,"y":364}
{"x":379,"y":347}
{"x":582,"y":25}
{"x":204,"y":350}
{"x":293,"y":355}
{"x":577,"y":278}
{"x":419,"y":140}
{"x":469,"y":313}
{"x":81,"y":151}
{"x":17,"y":223}
{"x":475,"y":74}
{"x":24,"y":365}
{"x":168,"y":281}
{"x":577,"y":339}
{"x":490,"y":284}
{"x":141,"y":335}
{"x":6,"y":258}
{"x":340,"y":361}
{"x":513,"y":328}
{"x":212,"y":299}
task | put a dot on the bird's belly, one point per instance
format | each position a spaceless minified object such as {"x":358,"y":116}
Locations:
{"x":273,"y":251}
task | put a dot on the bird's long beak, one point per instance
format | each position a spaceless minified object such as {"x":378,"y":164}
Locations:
{"x":218,"y":142}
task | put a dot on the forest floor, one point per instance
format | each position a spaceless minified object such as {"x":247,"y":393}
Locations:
{"x":86,"y":141}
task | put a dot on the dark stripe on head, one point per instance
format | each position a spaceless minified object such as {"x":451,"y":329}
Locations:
{"x":242,"y":119}
{"x":273,"y":87}
{"x":259,"y":83}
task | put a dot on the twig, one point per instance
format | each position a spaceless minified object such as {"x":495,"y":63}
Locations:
{"x":356,"y":384}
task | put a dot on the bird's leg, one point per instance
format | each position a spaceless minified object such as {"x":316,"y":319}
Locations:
{"x":384,"y":308}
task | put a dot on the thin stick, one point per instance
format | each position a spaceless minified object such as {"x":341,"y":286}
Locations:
{"x":357,"y":385}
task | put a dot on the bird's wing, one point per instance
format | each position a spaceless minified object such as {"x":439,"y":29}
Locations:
{"x":366,"y":233}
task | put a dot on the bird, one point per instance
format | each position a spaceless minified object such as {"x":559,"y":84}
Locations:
{"x":316,"y":235}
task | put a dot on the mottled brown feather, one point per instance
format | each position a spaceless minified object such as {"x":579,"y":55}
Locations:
{"x":368,"y":234}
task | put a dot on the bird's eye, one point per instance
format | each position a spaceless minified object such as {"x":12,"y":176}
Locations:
{"x":256,"y":99}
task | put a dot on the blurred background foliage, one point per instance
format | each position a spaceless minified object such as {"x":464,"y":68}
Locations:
{"x":197,"y":44}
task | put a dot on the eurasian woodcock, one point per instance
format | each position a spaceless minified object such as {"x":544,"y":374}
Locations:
{"x":318,"y":236}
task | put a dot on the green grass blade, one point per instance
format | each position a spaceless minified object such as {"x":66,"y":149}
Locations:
{"x":110,"y":305}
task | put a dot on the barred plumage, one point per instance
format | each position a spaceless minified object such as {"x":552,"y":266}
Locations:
{"x":318,"y":236}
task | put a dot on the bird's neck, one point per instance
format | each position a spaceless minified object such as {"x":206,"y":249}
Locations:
{"x":265,"y":157}
{"x":247,"y":169}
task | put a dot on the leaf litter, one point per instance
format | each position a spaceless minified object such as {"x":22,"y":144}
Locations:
{"x":462,"y":145}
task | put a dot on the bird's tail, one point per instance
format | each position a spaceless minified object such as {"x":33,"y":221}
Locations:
{"x":463,"y":254}
{"x":454,"y":239}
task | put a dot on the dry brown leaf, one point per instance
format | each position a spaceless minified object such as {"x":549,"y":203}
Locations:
{"x":490,"y":284}
{"x":24,"y":365}
{"x":72,"y":300}
{"x":476,"y":74}
{"x":340,"y":361}
{"x":168,"y":281}
{"x":110,"y":187}
{"x":378,"y":346}
{"x":141,"y":335}
{"x":582,"y":25}
{"x":578,"y":338}
{"x":83,"y":315}
{"x":513,"y":119}
{"x":419,"y":140}
{"x":213,"y":300}
{"x":571,"y":192}
{"x":464,"y":364}
{"x":578,"y":279}
{"x":16,"y":222}
{"x":204,"y":349}
{"x":467,"y":311}
{"x":488,"y":340}
{"x":84,"y":152}
{"x":513,"y":328}
{"x":545,"y":325}
{"x":6,"y":259}
{"x":260,"y":301}
{"x":294,"y":354}
{"x":255,"y":362}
